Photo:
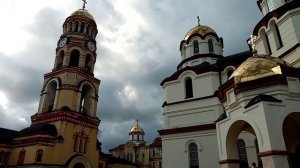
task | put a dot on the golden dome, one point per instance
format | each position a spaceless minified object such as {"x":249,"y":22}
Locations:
{"x":200,"y":29}
{"x":136,"y":129}
{"x":256,"y":67}
{"x":83,"y":12}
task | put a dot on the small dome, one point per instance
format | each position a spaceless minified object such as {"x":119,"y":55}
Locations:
{"x":83,"y":12}
{"x":258,"y":66}
{"x":136,"y":129}
{"x":200,"y":29}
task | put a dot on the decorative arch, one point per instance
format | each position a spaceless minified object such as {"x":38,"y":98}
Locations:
{"x":291,"y":137}
{"x":50,"y":93}
{"x":81,"y":140}
{"x":233,"y":132}
{"x":79,"y":160}
{"x":74,"y":58}
{"x":186,"y":147}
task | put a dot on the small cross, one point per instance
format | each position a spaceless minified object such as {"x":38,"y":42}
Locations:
{"x":137,"y":122}
{"x":251,"y":42}
{"x":198,"y":20}
{"x":84,"y":2}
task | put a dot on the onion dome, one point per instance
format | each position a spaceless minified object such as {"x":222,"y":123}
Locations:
{"x":82,"y":23}
{"x":199,"y":30}
{"x":137,"y":130}
{"x":84,"y":13}
{"x":258,"y":66}
{"x":200,"y":42}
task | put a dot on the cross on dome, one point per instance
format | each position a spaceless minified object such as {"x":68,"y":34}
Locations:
{"x":198,"y":20}
{"x":84,"y":2}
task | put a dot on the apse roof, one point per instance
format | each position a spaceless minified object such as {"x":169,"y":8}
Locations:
{"x":6,"y":135}
{"x":36,"y":129}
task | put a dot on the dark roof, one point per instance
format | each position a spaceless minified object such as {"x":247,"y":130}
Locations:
{"x":221,"y":63}
{"x":262,"y":97}
{"x":6,"y":135}
{"x":48,"y":129}
{"x":233,"y":60}
{"x":156,"y":142}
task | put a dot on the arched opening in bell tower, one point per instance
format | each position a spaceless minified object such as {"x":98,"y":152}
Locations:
{"x":50,"y":97}
{"x":60,"y":59}
{"x":88,"y":63}
{"x":86,"y":99}
{"x":74,"y":58}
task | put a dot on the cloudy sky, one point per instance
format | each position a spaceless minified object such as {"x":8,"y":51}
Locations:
{"x":138,"y":46}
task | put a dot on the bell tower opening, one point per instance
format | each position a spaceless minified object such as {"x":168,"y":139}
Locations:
{"x":50,"y":97}
{"x":86,"y":99}
{"x":74,"y":58}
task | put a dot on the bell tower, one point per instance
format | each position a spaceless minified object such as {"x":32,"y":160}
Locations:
{"x":69,"y":95}
{"x":72,"y":83}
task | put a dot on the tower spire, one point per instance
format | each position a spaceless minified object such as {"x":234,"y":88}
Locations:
{"x":198,"y":20}
{"x":84,"y":2}
{"x":137,"y":122}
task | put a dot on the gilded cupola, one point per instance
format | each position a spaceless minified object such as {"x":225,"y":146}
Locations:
{"x":136,"y":133}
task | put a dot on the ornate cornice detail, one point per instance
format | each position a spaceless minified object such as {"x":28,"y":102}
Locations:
{"x":42,"y":141}
{"x":65,"y":115}
{"x":76,"y":70}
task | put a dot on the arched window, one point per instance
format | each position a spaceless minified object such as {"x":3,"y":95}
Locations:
{"x":80,"y":142}
{"x":7,"y":158}
{"x":76,"y":26}
{"x":188,"y":88}
{"x":266,"y":42}
{"x":39,"y":155}
{"x":210,"y":46}
{"x":276,"y":33}
{"x":74,"y":58}
{"x":193,"y":155}
{"x":196,"y":47}
{"x":21,"y":157}
{"x":86,"y":99}
{"x":88,"y":63}
{"x":153,"y":152}
{"x":60,"y":59}
{"x":82,"y":27}
{"x":242,"y":153}
{"x":50,"y":97}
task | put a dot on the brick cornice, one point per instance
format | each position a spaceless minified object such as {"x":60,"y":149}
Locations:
{"x":77,"y":70}
{"x":65,"y":115}
{"x":42,"y":141}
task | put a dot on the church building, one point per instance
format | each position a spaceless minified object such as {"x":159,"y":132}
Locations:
{"x":137,"y":151}
{"x":63,"y":132}
{"x":237,"y":110}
